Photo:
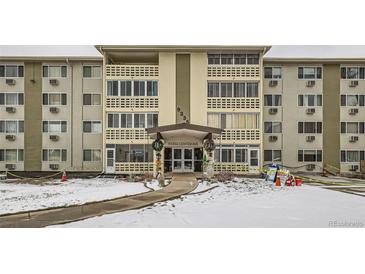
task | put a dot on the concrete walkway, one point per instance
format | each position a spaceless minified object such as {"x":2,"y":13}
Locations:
{"x":181,"y":184}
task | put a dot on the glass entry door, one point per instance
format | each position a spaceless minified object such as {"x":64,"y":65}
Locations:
{"x":183,"y":160}
{"x":110,"y":160}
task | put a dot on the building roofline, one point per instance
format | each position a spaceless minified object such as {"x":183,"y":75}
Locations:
{"x":313,"y":60}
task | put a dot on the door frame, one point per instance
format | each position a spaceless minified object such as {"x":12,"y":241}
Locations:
{"x":182,"y":160}
{"x":110,"y":169}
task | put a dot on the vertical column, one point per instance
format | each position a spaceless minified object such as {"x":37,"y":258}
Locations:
{"x":182,"y":87}
{"x":331,"y":115}
{"x":33,"y":116}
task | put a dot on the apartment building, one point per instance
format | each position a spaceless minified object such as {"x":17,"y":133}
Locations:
{"x":86,"y":108}
{"x":50,"y":108}
{"x":182,"y":95}
{"x":314,"y":107}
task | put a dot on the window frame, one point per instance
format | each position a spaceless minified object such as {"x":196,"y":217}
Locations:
{"x":92,"y":122}
{"x":271,"y":73}
{"x":92,"y":95}
{"x":54,"y":77}
{"x":18,"y":122}
{"x":92,"y":67}
{"x":310,"y":67}
{"x":17,"y":70}
{"x":18,"y":96}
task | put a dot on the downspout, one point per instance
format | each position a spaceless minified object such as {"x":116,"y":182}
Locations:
{"x":71,"y":114}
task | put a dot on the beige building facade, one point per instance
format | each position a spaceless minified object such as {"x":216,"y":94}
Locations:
{"x":99,"y":109}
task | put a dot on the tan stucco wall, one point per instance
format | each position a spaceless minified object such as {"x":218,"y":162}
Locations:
{"x":182,"y":87}
{"x":32,"y":117}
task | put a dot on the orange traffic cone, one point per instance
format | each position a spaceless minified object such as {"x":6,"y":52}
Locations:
{"x":64,"y":177}
{"x":277,"y":182}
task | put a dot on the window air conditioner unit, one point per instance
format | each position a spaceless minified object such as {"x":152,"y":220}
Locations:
{"x":311,"y":110}
{"x":354,"y":168}
{"x":310,"y":138}
{"x":354,"y":139}
{"x":273,"y":83}
{"x":10,"y":109}
{"x":10,"y":166}
{"x":54,"y":110}
{"x":10,"y":137}
{"x":311,"y":167}
{"x":54,"y":166}
{"x":54,"y":138}
{"x":353,"y":111}
{"x":310,"y":83}
{"x":10,"y":82}
{"x":273,"y":138}
{"x":273,"y":110}
{"x":354,"y":84}
{"x":53,"y":82}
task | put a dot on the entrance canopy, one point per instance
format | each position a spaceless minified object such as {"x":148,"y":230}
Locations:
{"x":183,"y":134}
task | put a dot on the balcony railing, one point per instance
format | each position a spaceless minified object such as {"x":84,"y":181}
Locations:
{"x":240,"y":135}
{"x":115,"y":102}
{"x":115,"y":134}
{"x":244,"y":71}
{"x":132,"y":167}
{"x":225,"y":103}
{"x":117,"y":71}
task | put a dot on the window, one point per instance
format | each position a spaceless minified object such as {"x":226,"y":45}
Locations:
{"x":310,"y":127}
{"x":236,"y":154}
{"x":234,"y":120}
{"x":152,"y":89}
{"x":112,"y":88}
{"x":92,"y":126}
{"x":226,"y":89}
{"x":272,"y":72}
{"x":54,"y":155}
{"x":92,"y":71}
{"x":213,"y":89}
{"x":353,"y":73}
{"x":54,"y":126}
{"x":272,"y":155}
{"x":309,"y":100}
{"x":309,"y":155}
{"x":54,"y":99}
{"x":139,"y":88}
{"x":11,"y":99}
{"x":11,"y":155}
{"x":132,"y":120}
{"x":353,"y":127}
{"x":11,"y":71}
{"x":352,"y":156}
{"x":11,"y":126}
{"x":91,"y":99}
{"x":309,"y":73}
{"x":272,"y":100}
{"x":233,"y":59}
{"x":92,"y":155}
{"x":272,"y":127}
{"x":134,"y":153}
{"x":125,"y":88}
{"x":54,"y":71}
{"x":351,"y":100}
{"x":235,"y":89}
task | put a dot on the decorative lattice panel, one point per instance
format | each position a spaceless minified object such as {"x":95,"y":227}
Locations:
{"x":240,"y":135}
{"x":135,"y":168}
{"x":131,"y":71}
{"x":246,"y":71}
{"x":224,"y":103}
{"x":233,"y":167}
{"x":131,"y":102}
{"x":126,"y":134}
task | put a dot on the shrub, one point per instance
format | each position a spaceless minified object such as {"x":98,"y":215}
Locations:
{"x":225,"y":176}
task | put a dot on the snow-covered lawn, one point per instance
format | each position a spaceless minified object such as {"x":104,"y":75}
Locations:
{"x":251,"y":203}
{"x":23,"y":197}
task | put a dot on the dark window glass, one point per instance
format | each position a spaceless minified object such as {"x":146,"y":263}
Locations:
{"x":64,"y":155}
{"x":343,"y":100}
{"x":45,"y":71}
{"x":300,"y":127}
{"x":240,"y":59}
{"x":361,"y":127}
{"x":45,"y":99}
{"x":319,"y":127}
{"x":343,"y":156}
{"x":267,"y":155}
{"x":226,"y":89}
{"x":268,"y":100}
{"x":20,"y":99}
{"x":268,"y":73}
{"x":87,"y":71}
{"x":268,"y":127}
{"x":362,"y":155}
{"x":213,"y":89}
{"x":2,"y":99}
{"x":226,"y":59}
{"x":319,"y":156}
{"x":64,"y":71}
{"x":87,"y":127}
{"x":300,"y":73}
{"x":319,"y":73}
{"x":21,"y":126}
{"x":20,"y":71}
{"x":343,"y":73}
{"x":87,"y":99}
{"x":213,"y":59}
{"x":64,"y":99}
{"x":45,"y":126}
{"x":361,"y":100}
{"x":45,"y":154}
{"x":125,"y":88}
{"x":139,"y":88}
{"x":252,"y":59}
{"x":152,"y":88}
{"x":2,"y":71}
{"x":300,"y":100}
{"x":300,"y":155}
{"x":252,"y":90}
{"x":63,"y":126}
{"x":239,"y":89}
{"x":343,"y":127}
